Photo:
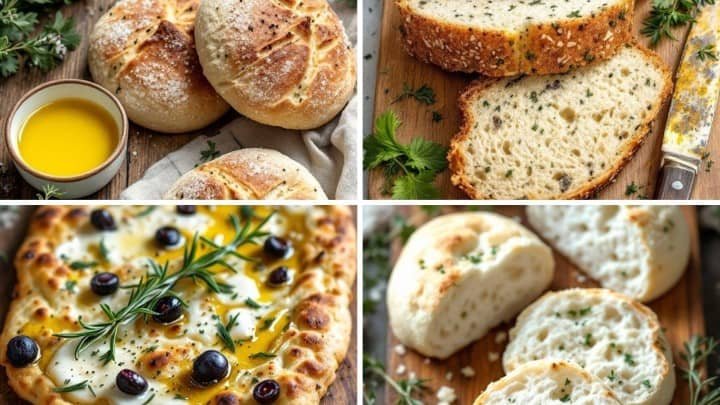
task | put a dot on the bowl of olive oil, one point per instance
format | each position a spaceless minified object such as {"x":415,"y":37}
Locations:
{"x":68,"y":134}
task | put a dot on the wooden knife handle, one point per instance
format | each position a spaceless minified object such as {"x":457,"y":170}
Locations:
{"x":676,"y":183}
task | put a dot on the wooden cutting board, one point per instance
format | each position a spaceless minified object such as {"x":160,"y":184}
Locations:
{"x":342,"y":391}
{"x":679,"y":310}
{"x":396,"y":67}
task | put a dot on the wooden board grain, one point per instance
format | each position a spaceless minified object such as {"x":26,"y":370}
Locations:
{"x":396,"y":67}
{"x":679,"y":310}
{"x":342,"y":391}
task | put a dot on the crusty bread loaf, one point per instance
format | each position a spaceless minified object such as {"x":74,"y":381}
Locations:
{"x":460,"y":275}
{"x":143,"y":51}
{"x":509,"y":37}
{"x":281,"y":63}
{"x":558,"y":136}
{"x":610,"y":335}
{"x":548,"y":382}
{"x":640,"y":251}
{"x":248,"y":174}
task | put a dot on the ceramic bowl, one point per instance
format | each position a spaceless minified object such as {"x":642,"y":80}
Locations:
{"x":84,"y":184}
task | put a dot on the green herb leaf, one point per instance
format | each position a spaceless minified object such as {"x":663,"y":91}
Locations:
{"x":415,"y":187}
{"x":71,"y":387}
{"x":668,"y":14}
{"x":79,"y":265}
{"x":262,"y":355}
{"x":223,"y":332}
{"x":374,"y":375}
{"x":423,"y":94}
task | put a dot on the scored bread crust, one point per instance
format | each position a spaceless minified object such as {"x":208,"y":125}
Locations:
{"x":285,"y":63}
{"x":315,"y":344}
{"x":657,"y":342}
{"x":143,"y":51}
{"x":538,"y":49}
{"x":555,"y":370}
{"x":458,"y":161}
{"x":248,"y":174}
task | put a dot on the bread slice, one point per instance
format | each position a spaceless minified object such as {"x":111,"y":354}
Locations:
{"x":559,"y":136}
{"x":508,"y":37}
{"x":608,"y":334}
{"x":460,"y":275}
{"x":548,"y":382}
{"x":640,"y":251}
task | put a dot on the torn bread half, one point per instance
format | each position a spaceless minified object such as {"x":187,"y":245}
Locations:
{"x":460,"y":275}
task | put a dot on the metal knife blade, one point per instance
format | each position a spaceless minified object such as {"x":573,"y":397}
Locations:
{"x":690,"y":119}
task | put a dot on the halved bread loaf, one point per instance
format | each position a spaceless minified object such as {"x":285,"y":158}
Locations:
{"x":608,"y":334}
{"x":640,"y":251}
{"x":548,"y":382}
{"x":509,"y":37}
{"x":460,"y":275}
{"x":559,"y":136}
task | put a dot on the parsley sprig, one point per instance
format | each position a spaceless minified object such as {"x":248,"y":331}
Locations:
{"x":160,"y":282}
{"x":412,"y":166}
{"x":374,"y":373}
{"x":668,"y":14}
{"x":423,"y":94}
{"x":18,"y":21}
{"x":703,"y":391}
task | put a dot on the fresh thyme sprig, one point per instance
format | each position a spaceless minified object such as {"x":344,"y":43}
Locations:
{"x":49,"y":191}
{"x":702,"y":390}
{"x":374,"y":370}
{"x":668,"y":14}
{"x":160,"y":282}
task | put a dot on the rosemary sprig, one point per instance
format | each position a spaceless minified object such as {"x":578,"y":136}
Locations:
{"x":702,"y":390}
{"x":405,"y":389}
{"x":49,"y":192}
{"x":223,"y":332}
{"x":72,"y":387}
{"x":160,"y":282}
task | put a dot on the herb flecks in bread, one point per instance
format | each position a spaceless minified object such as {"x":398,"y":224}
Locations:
{"x":558,"y":136}
{"x":505,"y":38}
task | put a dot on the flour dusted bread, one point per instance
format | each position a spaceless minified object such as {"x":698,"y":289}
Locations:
{"x":248,"y":174}
{"x":460,"y":275}
{"x":558,"y":136}
{"x":286,"y":63}
{"x":640,"y":251}
{"x":143,"y":51}
{"x":546,"y":382}
{"x":509,"y":37}
{"x":608,"y":334}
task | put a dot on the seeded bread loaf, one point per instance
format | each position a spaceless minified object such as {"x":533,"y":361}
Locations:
{"x":278,"y":62}
{"x":608,"y":334}
{"x":460,"y":275}
{"x":548,"y":382}
{"x":143,"y":51}
{"x":640,"y":251}
{"x":510,"y":37}
{"x":557,"y":136}
{"x":248,"y":174}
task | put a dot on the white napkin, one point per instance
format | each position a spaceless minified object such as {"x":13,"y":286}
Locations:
{"x":329,"y":152}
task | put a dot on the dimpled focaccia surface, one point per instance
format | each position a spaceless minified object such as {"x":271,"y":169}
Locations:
{"x":546,"y":382}
{"x":460,"y":275}
{"x":302,"y":327}
{"x":610,"y":335}
{"x":509,"y":37}
{"x":640,"y":251}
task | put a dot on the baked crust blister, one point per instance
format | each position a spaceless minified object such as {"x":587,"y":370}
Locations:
{"x":308,"y":350}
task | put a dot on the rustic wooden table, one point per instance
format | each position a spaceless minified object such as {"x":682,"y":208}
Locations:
{"x":145,"y":147}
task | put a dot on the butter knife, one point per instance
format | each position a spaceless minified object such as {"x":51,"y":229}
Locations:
{"x":690,"y":119}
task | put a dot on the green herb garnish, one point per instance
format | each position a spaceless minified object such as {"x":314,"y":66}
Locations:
{"x":71,"y":388}
{"x":423,"y":94}
{"x":375,"y":375}
{"x":223,"y":332}
{"x":262,"y":355}
{"x":668,"y":14}
{"x":80,"y":265}
{"x":703,"y":390}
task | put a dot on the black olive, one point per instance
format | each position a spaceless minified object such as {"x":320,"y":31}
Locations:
{"x":168,"y":309}
{"x":104,"y":283}
{"x":22,"y":351}
{"x":266,"y":391}
{"x":186,"y":209}
{"x":102,"y":220}
{"x":278,"y":276}
{"x":168,"y":236}
{"x":276,"y":247}
{"x":131,"y":382}
{"x":209,"y":368}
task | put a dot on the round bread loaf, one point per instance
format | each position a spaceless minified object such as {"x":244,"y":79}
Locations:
{"x":640,"y":251}
{"x":248,"y":174}
{"x":608,"y":334}
{"x":143,"y":51}
{"x":460,"y":275}
{"x":283,"y":63}
{"x":548,"y":382}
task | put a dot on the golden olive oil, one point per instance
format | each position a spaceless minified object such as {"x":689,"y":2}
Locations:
{"x":68,"y":137}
